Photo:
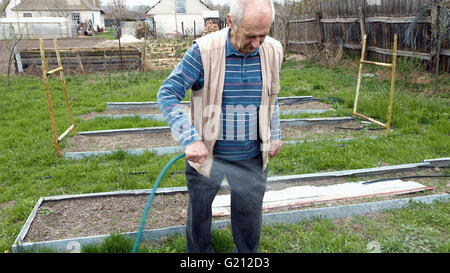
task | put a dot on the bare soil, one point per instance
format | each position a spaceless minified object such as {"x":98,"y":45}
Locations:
{"x":141,"y":111}
{"x":314,"y":105}
{"x":81,"y":143}
{"x":74,"y":218}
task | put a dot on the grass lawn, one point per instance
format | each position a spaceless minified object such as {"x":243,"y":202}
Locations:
{"x":108,"y":34}
{"x":30,"y":168}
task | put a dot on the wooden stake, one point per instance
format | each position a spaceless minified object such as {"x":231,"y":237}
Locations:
{"x":49,"y":101}
{"x":63,"y":81}
{"x":358,"y":85}
{"x":391,"y":97}
{"x":80,"y":63}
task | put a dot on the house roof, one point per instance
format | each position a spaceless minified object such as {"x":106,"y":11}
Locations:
{"x":42,"y":5}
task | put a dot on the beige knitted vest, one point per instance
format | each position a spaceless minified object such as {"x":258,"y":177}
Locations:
{"x":206,"y":103}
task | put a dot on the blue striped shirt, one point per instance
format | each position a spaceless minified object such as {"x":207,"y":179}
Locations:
{"x":238,"y":137}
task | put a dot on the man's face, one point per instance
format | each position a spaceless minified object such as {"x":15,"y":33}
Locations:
{"x":251,"y":33}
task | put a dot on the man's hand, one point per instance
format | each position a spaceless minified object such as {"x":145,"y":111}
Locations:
{"x":196,"y":152}
{"x":275,"y":146}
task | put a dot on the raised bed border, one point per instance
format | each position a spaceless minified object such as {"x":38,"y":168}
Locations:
{"x":281,"y":217}
{"x":154,"y":104}
{"x":160,"y":117}
{"x":173,"y":149}
{"x":74,"y":244}
{"x":162,"y":129}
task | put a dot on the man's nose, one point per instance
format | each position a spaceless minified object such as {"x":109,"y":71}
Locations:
{"x":256,"y":43}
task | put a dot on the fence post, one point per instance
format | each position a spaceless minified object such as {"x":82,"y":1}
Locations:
{"x":319,"y":29}
{"x":286,"y":35}
{"x":435,"y":39}
{"x":182,"y":28}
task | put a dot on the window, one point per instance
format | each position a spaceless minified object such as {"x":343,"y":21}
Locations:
{"x":76,"y":18}
{"x":27,"y":14}
{"x":181,"y":6}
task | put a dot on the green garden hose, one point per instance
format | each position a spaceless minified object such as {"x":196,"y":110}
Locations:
{"x":150,"y":199}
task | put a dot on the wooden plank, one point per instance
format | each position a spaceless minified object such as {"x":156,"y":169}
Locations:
{"x":301,"y":20}
{"x":34,"y":54}
{"x":408,"y":8}
{"x":55,"y":70}
{"x":303,"y":42}
{"x":28,"y":62}
{"x":376,"y":63}
{"x":369,"y":119}
{"x":376,"y":19}
{"x":338,"y":20}
{"x":396,"y":20}
{"x":445,"y":52}
{"x":354,"y":8}
{"x":65,"y":132}
{"x":419,"y":55}
{"x":379,"y":9}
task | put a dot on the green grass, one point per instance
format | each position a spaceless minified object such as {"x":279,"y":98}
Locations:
{"x":108,"y":34}
{"x":30,"y":168}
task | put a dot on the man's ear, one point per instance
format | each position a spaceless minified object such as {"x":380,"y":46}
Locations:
{"x":230,"y":24}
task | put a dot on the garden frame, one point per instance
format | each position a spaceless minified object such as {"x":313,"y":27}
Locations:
{"x":387,"y":125}
{"x":45,"y":74}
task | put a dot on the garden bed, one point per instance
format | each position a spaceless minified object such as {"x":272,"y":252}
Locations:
{"x":121,"y":213}
{"x":83,"y":143}
{"x":312,"y":105}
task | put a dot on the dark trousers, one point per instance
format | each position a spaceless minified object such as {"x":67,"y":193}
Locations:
{"x":247,"y":183}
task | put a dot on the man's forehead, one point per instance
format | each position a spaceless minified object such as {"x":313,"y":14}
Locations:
{"x":255,"y":21}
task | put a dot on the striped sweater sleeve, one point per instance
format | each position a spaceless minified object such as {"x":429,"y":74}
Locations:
{"x":275,"y":129}
{"x":187,"y":74}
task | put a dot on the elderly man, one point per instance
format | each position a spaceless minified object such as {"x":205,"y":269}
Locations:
{"x":233,"y":125}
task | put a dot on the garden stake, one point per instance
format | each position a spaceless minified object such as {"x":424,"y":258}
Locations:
{"x":391,"y":95}
{"x":45,"y":74}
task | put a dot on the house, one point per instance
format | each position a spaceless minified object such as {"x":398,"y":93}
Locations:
{"x":78,"y":11}
{"x":173,"y":17}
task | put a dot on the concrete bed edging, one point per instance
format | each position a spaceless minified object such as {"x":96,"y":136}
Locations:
{"x":282,"y":217}
{"x":171,"y":149}
{"x":162,"y":129}
{"x":160,"y":117}
{"x":290,"y":217}
{"x":154,"y":104}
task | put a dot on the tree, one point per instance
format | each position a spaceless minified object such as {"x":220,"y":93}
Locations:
{"x":15,"y":39}
{"x":116,"y":11}
{"x":440,"y":31}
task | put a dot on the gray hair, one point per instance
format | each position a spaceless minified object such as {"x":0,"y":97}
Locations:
{"x":237,"y":11}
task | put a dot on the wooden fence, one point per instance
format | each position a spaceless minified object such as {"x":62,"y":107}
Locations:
{"x":76,"y":60}
{"x":342,"y":23}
